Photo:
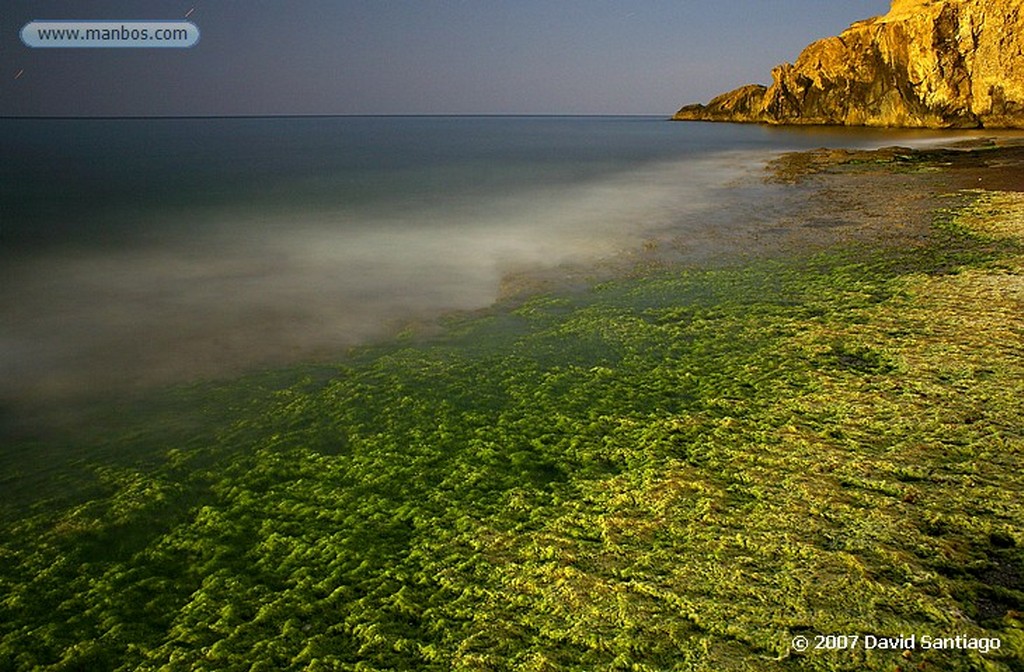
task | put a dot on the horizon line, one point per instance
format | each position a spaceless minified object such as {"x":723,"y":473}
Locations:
{"x":317,"y":116}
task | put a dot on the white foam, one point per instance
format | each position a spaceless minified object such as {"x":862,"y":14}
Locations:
{"x":259,"y":288}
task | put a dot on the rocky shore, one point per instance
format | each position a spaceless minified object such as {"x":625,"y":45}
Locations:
{"x":691,"y":467}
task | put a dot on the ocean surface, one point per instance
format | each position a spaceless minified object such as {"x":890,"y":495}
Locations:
{"x":143,"y":252}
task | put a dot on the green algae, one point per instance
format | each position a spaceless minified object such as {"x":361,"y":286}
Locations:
{"x":682,"y":471}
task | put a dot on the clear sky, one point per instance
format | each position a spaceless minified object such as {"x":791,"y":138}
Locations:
{"x":415,"y":56}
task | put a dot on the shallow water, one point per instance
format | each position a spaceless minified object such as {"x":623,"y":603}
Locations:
{"x":144,"y":252}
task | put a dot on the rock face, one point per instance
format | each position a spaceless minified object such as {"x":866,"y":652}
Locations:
{"x":925,"y":64}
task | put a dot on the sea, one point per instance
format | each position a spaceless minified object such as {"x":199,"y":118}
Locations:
{"x":148,"y":252}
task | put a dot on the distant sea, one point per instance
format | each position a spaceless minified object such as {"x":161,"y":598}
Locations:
{"x":141,"y":252}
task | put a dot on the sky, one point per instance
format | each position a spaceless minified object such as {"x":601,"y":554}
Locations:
{"x":266,"y":57}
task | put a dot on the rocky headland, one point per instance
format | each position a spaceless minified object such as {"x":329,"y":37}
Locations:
{"x":925,"y":64}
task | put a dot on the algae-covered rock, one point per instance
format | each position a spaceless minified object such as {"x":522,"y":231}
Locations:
{"x":925,"y":64}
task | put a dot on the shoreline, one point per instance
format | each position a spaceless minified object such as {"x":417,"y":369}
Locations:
{"x":721,"y":459}
{"x":887,"y":196}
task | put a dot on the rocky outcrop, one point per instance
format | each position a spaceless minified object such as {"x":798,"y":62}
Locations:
{"x":925,"y":64}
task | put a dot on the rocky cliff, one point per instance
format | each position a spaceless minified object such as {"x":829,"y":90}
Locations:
{"x":927,"y":63}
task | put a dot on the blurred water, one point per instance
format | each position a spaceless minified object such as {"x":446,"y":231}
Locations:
{"x":142,"y":252}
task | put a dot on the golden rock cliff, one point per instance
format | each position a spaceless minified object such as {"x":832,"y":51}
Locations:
{"x":926,"y":64}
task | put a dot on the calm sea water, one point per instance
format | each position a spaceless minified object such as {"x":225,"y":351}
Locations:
{"x":144,"y":252}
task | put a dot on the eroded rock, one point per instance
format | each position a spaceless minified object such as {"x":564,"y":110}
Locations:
{"x":925,"y":64}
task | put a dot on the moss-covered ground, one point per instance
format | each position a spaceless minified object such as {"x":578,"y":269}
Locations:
{"x":680,"y":471}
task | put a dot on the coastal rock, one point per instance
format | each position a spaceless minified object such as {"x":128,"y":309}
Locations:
{"x":743,"y":102}
{"x":925,"y":64}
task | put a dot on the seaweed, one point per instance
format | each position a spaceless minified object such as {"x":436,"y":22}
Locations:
{"x":683,"y":470}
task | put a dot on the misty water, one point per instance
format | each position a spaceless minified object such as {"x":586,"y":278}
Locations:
{"x":137,"y":253}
